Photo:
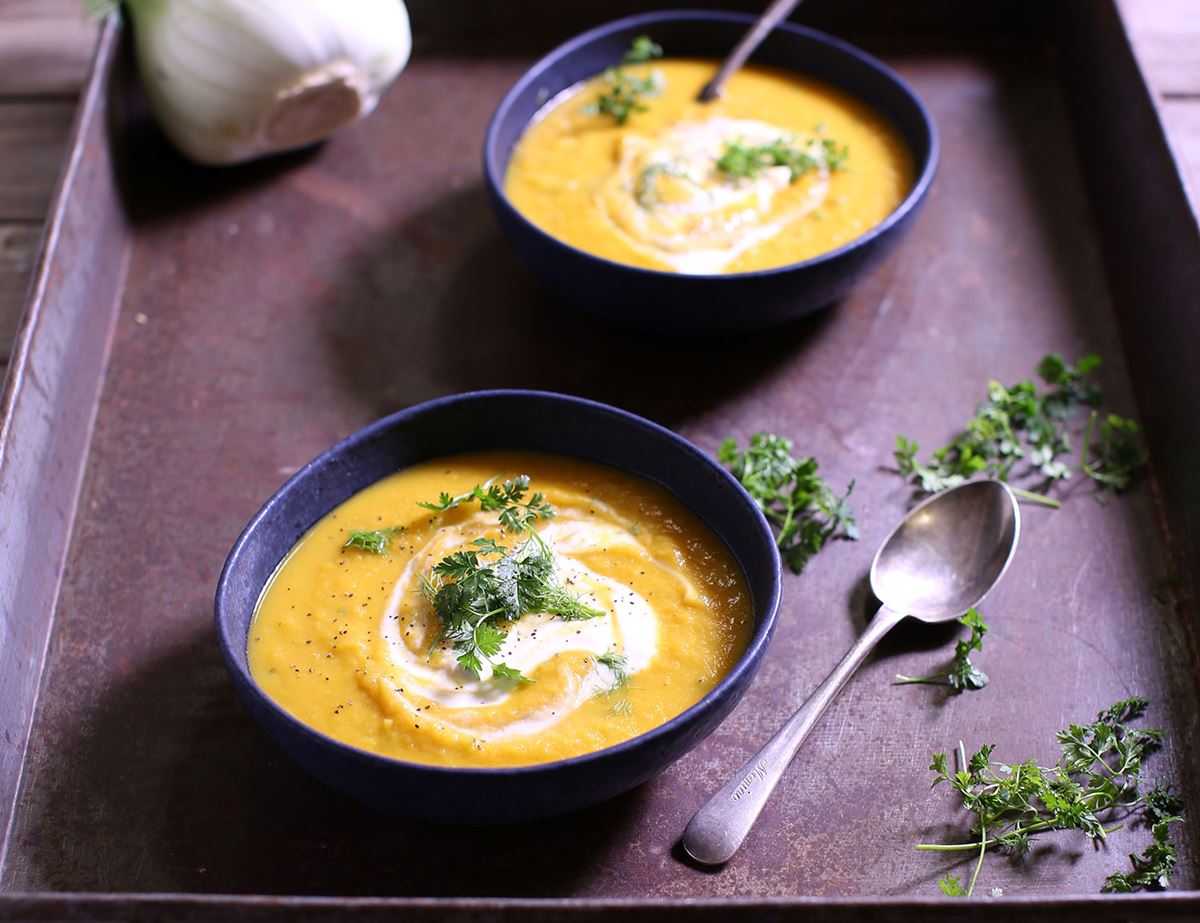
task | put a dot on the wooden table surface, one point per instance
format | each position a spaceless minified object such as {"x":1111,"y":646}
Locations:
{"x":45,"y":46}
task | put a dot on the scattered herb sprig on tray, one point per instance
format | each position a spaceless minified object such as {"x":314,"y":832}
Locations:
{"x":798,"y":502}
{"x":1152,"y":869}
{"x":625,"y":93}
{"x":740,"y":160}
{"x":1030,"y":425}
{"x":962,"y":673}
{"x":1096,"y":782}
{"x":374,"y":541}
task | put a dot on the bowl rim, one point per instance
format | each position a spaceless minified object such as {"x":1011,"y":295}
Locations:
{"x":916,"y":194}
{"x":748,"y":660}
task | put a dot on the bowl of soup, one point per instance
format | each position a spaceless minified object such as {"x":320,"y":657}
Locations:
{"x":646,"y":207}
{"x":498,"y":606}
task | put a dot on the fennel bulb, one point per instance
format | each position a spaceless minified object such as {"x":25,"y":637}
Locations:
{"x":231,"y":80}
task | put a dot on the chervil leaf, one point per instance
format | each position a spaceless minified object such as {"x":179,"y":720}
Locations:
{"x":488,"y":639}
{"x":476,"y":598}
{"x":642,"y":50}
{"x":951,"y":886}
{"x":504,"y":671}
{"x":374,"y":541}
{"x":800,"y":503}
{"x":444,"y":502}
{"x":1117,"y":455}
{"x":1094,"y":782}
{"x":1162,"y":802}
{"x":506,"y":498}
{"x":469,"y":661}
{"x":457,"y":566}
{"x":1023,"y":431}
{"x":743,"y":161}
{"x":1152,"y":869}
{"x":625,"y":93}
{"x":962,"y":674}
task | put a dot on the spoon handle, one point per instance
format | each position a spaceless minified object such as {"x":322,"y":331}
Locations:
{"x":771,"y":17}
{"x":717,"y":829}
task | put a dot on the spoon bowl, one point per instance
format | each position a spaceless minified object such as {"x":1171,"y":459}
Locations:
{"x":948,"y":552}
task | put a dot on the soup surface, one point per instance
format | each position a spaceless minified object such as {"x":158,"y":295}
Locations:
{"x":780,"y":169}
{"x":651,"y":610}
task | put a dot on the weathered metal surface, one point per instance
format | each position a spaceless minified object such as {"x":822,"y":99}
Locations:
{"x":49,"y":401}
{"x":204,"y":908}
{"x":270,"y":310}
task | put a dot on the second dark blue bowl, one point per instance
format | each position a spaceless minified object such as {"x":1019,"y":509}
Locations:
{"x":739,"y":302}
{"x":488,"y":420}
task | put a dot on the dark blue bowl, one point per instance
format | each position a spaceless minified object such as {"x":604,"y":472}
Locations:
{"x":488,"y":420}
{"x":682,"y":304}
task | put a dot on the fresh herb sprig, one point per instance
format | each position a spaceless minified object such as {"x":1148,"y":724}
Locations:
{"x":478,"y":591}
{"x":618,"y":664}
{"x":374,"y":541}
{"x":1031,"y":425}
{"x":625,"y":93}
{"x":507,"y":498}
{"x":641,"y":50}
{"x":1117,"y":454}
{"x":617,"y":691}
{"x":740,"y":160}
{"x":962,"y":673}
{"x":1152,"y":869}
{"x":801,"y":504}
{"x":1096,"y":781}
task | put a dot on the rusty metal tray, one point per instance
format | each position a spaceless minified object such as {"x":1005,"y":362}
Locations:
{"x":195,"y":335}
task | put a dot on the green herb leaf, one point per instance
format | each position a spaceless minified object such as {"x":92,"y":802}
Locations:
{"x":1152,"y":869}
{"x":1096,"y":779}
{"x":801,"y":504}
{"x":951,"y":886}
{"x":375,"y":541}
{"x":475,"y":598}
{"x":1025,"y":431}
{"x":962,"y":674}
{"x":642,"y":50}
{"x":506,"y":498}
{"x":625,"y":92}
{"x":1116,"y":456}
{"x":504,"y":671}
{"x":745,"y":161}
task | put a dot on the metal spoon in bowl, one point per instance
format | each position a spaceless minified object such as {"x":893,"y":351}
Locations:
{"x":774,"y":14}
{"x":938,"y":563}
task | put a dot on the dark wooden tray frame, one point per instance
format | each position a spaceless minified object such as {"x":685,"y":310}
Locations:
{"x":1151,"y":245}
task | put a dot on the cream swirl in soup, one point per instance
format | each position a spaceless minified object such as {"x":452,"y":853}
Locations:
{"x":373,"y":644}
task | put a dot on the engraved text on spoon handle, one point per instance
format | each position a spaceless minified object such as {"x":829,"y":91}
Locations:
{"x":718,"y":828}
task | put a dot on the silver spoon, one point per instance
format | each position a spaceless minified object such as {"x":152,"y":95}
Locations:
{"x":938,"y":563}
{"x":774,"y":14}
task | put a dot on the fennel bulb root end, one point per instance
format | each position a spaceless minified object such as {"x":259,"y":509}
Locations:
{"x":317,"y":105}
{"x":233,"y":80}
